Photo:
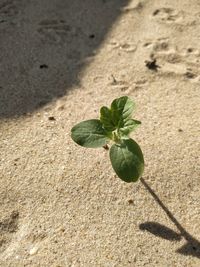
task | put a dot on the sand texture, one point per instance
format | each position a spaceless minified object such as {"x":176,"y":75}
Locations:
{"x":62,"y":205}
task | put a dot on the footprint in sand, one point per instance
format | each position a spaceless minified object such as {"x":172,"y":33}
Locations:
{"x":171,"y":53}
{"x":173,"y":60}
{"x":8,"y":227}
{"x":119,"y":84}
{"x":53,"y":30}
{"x":135,"y":6}
{"x":162,"y":49}
{"x":167,"y":15}
{"x":124,"y":47}
{"x":15,"y":238}
{"x":8,"y":11}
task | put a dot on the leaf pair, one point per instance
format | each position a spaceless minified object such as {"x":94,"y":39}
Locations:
{"x":115,"y":125}
{"x":118,"y":117}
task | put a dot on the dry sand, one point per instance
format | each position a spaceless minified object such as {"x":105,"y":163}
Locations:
{"x":62,"y":205}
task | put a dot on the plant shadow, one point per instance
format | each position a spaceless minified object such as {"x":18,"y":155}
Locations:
{"x":160,"y":231}
{"x":192,"y":246}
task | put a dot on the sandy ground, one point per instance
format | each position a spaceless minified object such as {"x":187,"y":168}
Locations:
{"x":62,"y":205}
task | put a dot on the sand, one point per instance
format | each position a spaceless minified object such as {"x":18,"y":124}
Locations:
{"x":62,"y":205}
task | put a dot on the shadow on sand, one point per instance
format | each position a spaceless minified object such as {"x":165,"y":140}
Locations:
{"x":44,"y":47}
{"x":192,"y":246}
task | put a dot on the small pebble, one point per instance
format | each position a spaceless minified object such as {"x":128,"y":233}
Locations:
{"x":43,"y":66}
{"x":190,"y":50}
{"x":51,"y":118}
{"x":152,"y":65}
{"x":33,"y":251}
{"x":91,"y":36}
{"x":189,"y":75}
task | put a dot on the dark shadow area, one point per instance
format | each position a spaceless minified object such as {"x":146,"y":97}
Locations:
{"x":160,"y":231}
{"x":8,"y":227}
{"x":192,"y":247}
{"x":44,"y":46}
{"x":10,"y":224}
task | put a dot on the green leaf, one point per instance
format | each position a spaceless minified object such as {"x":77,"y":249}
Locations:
{"x":106,"y":119}
{"x":127,"y":160}
{"x":121,"y":109}
{"x":129,"y":126}
{"x":89,"y":133}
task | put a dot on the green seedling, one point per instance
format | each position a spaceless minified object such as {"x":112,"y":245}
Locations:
{"x":114,"y":126}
